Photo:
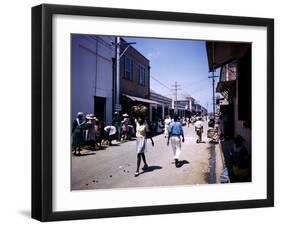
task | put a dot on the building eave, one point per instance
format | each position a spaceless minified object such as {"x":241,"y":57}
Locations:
{"x":221,"y":53}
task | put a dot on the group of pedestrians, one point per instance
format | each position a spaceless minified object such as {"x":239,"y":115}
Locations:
{"x":86,"y":130}
{"x":89,"y":131}
{"x":83,"y":131}
{"x":174,"y":133}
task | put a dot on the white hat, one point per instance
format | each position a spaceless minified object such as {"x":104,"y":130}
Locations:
{"x":125,"y":115}
{"x":80,"y":113}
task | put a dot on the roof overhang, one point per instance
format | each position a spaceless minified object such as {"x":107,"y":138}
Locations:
{"x":227,"y":86}
{"x":221,"y":53}
{"x":139,"y":99}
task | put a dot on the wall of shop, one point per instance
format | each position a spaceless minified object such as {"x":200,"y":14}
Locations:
{"x":91,"y":58}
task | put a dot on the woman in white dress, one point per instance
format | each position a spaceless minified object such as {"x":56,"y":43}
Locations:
{"x":167,"y":122}
{"x":142,"y":132}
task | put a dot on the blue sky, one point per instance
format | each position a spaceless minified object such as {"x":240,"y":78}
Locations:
{"x":184,"y":61}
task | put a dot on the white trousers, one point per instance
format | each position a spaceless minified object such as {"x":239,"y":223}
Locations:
{"x":176,"y":146}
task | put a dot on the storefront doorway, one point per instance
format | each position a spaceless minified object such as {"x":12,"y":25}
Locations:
{"x":100,"y":108}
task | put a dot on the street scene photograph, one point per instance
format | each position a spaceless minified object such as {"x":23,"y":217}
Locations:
{"x":152,"y":112}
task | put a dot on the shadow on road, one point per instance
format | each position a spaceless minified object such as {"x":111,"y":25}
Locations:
{"x":181,"y":163}
{"x":100,"y":148}
{"x":89,"y":153}
{"x":201,"y":142}
{"x":151,"y":168}
{"x":85,"y":152}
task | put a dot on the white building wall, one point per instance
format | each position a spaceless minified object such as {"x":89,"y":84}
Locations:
{"x":91,"y":73}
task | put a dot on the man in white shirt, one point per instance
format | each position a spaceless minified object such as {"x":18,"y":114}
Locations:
{"x":175,"y":132}
{"x":199,"y":129}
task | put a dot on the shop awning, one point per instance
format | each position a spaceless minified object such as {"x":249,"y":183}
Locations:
{"x":221,"y":53}
{"x":227,"y":86}
{"x":139,"y":99}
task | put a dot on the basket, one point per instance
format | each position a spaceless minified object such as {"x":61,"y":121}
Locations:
{"x":139,"y":111}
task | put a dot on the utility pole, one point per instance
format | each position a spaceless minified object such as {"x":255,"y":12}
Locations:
{"x":213,"y":78}
{"x":176,"y":88}
{"x":214,"y":99}
{"x":118,"y":56}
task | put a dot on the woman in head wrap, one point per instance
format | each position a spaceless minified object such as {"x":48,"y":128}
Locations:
{"x":77,"y":133}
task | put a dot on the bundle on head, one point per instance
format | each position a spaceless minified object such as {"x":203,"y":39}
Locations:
{"x":139,"y":111}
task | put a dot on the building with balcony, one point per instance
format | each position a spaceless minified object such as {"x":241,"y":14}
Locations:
{"x":234,"y":60}
{"x":134,"y":78}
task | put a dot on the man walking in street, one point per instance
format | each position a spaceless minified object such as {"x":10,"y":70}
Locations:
{"x":125,"y":127}
{"x":199,"y":129}
{"x":117,"y":123}
{"x":175,"y":132}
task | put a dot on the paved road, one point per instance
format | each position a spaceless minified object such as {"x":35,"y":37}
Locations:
{"x":114,"y":166}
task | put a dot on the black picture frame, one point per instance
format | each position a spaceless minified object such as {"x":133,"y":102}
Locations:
{"x":42,"y":111}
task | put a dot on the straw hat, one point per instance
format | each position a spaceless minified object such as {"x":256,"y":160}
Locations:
{"x":80,"y":114}
{"x":91,"y":117}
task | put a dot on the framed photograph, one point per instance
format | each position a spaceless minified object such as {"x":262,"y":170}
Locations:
{"x":145,"y":112}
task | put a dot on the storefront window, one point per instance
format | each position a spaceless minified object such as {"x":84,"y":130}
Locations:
{"x":128,"y":68}
{"x":141,"y":75}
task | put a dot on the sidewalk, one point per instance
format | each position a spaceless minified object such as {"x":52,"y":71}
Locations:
{"x":226,"y":147}
{"x":216,"y":163}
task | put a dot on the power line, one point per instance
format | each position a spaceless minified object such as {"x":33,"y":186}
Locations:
{"x":170,"y":94}
{"x":181,"y":94}
{"x":160,"y":82}
{"x":196,"y":85}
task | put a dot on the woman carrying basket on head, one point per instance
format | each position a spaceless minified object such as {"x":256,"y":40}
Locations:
{"x":142,"y":132}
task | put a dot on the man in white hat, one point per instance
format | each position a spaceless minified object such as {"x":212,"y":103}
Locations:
{"x":125,"y":126}
{"x":117,"y":123}
{"x":199,"y":129}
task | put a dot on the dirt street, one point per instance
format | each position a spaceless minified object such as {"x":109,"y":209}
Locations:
{"x":114,"y":167}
